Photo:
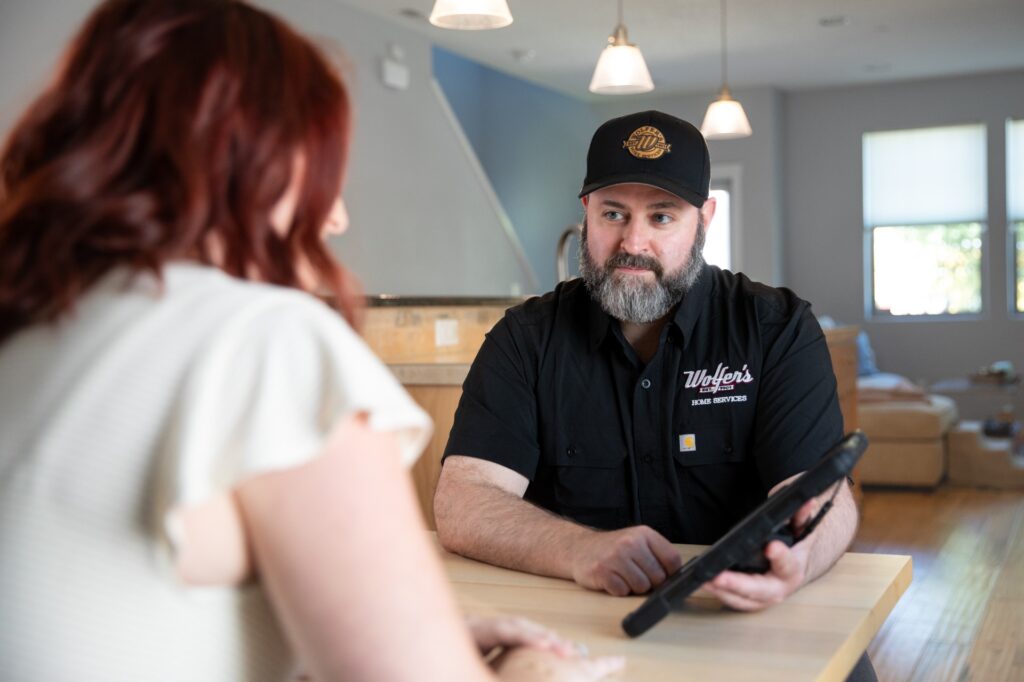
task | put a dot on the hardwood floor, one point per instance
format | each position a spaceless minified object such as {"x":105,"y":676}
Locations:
{"x":962,"y":618}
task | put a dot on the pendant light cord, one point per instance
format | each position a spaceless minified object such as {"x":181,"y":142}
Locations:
{"x":620,"y":13}
{"x":725,"y":81}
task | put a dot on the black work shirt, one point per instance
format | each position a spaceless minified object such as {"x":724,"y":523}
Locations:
{"x":739,"y":396}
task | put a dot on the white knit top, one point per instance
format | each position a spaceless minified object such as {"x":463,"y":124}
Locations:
{"x":142,"y":401}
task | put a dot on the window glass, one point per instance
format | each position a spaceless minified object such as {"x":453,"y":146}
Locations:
{"x":1015,"y":206}
{"x":717,"y":247}
{"x":925,"y":220}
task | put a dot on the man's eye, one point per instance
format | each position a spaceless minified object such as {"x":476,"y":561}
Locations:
{"x":662,"y":218}
{"x":613,"y":215}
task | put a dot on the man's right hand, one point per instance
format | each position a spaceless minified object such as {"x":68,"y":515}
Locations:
{"x":622,"y":562}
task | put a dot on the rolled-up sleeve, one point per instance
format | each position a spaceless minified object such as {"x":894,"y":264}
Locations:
{"x":798,"y":417}
{"x":497,"y":415}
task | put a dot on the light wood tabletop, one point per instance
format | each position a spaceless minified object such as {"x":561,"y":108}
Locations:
{"x":816,"y":634}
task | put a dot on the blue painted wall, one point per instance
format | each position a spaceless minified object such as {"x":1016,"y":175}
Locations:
{"x":532,"y":143}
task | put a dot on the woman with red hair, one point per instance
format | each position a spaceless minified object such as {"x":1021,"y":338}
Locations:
{"x":201,"y":465}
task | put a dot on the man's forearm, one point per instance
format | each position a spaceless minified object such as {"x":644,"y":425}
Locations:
{"x":495,"y":526}
{"x":833,"y":535}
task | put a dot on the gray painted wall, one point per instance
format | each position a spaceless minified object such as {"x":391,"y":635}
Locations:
{"x":423,"y":220}
{"x":32,"y":34}
{"x":423,"y":216}
{"x":823,"y":242}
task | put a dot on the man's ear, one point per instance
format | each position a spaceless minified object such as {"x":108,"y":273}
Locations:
{"x":707,"y":211}
{"x":585,"y":199}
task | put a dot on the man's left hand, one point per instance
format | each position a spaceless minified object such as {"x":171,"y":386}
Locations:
{"x":788,"y":572}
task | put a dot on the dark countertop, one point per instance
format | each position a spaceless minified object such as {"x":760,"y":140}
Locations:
{"x":389,"y":300}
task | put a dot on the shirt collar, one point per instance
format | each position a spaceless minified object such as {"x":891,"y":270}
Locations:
{"x":693,"y":304}
{"x":686,"y":315}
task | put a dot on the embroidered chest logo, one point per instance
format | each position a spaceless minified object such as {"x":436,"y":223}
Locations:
{"x":723,"y":379}
{"x":647,"y":142}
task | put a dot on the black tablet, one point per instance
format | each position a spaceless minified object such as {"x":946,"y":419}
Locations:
{"x":742,"y":548}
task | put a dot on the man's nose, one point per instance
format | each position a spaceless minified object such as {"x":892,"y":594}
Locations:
{"x":634,"y":237}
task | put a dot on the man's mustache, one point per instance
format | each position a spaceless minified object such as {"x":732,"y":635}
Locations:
{"x":630,"y":260}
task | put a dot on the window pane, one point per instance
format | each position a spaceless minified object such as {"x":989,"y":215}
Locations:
{"x":925,"y":176}
{"x":927,"y":270}
{"x":717,"y":250}
{"x":1015,"y":169}
{"x":1015,"y":203}
{"x":1019,"y":239}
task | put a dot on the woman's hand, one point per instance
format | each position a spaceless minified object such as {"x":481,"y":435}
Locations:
{"x":509,"y":632}
{"x":532,"y":652}
{"x":524,"y":664}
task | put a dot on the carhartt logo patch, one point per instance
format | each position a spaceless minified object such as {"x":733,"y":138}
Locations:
{"x":687,"y":442}
{"x":647,"y":142}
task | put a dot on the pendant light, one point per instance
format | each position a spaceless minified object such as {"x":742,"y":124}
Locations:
{"x":621,"y":69}
{"x":470,"y":15}
{"x":725,"y":119}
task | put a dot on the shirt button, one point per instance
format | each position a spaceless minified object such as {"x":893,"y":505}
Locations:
{"x":648,"y":459}
{"x":646,"y":383}
{"x":569,"y":452}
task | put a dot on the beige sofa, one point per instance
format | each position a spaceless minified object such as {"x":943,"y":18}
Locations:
{"x":907,"y":430}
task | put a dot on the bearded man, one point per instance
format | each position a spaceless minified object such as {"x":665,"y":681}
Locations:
{"x":657,"y":399}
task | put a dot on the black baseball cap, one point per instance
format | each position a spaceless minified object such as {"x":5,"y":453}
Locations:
{"x":650,"y":148}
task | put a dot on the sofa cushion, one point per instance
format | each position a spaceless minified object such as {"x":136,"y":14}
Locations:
{"x":910,"y":420}
{"x":911,"y":463}
{"x":886,"y":386}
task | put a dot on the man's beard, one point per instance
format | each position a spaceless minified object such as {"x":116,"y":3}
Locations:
{"x":630,"y":298}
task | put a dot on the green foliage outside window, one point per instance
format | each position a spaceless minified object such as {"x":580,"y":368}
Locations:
{"x":930,"y":269}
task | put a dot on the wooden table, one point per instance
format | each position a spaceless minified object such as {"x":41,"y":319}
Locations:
{"x":816,"y":634}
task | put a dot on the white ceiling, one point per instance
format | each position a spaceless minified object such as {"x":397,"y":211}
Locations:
{"x":778,"y":43}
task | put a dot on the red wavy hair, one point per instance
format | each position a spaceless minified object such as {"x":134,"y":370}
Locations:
{"x":171,"y":128}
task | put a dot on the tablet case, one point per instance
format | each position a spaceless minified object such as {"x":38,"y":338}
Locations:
{"x":742,"y":548}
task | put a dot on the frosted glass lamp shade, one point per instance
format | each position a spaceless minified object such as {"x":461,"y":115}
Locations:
{"x":621,"y":70}
{"x":470,"y":15}
{"x":725,"y":119}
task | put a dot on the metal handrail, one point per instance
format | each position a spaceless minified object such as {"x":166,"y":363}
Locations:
{"x":562,"y":254}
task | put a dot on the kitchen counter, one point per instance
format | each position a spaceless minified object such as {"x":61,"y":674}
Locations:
{"x":406,"y":331}
{"x":393,"y":300}
{"x":430,"y":373}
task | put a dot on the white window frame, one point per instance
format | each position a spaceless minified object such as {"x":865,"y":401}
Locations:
{"x":868,"y":260}
{"x":1012,"y":270}
{"x":730,"y":176}
{"x":1011,"y":230}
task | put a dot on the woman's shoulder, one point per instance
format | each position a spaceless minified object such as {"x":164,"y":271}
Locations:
{"x":196,"y":291}
{"x":215,"y":285}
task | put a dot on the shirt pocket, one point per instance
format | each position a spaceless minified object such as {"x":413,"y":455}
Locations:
{"x":704,"y":444}
{"x":588,"y":474}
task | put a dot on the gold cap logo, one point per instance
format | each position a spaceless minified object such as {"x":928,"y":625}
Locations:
{"x":647,"y":142}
